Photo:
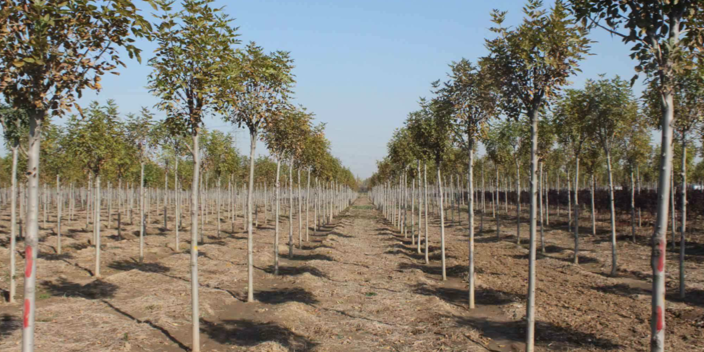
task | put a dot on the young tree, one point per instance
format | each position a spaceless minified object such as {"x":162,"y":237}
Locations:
{"x":93,"y":140}
{"x":661,"y":32}
{"x":284,"y":136}
{"x":688,"y":107}
{"x":14,"y":124}
{"x":53,"y":51}
{"x":475,"y":102}
{"x":257,"y":94}
{"x":431,"y":128}
{"x":191,"y":65}
{"x":615,"y":110}
{"x":571,"y":120}
{"x":141,"y":136}
{"x":530,"y":63}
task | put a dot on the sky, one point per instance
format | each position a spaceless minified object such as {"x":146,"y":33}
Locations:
{"x":361,"y":66}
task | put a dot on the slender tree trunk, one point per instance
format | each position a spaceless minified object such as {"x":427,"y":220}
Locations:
{"x":470,"y":215}
{"x":633,"y":208}
{"x":300,"y":212}
{"x":307,"y":204}
{"x":612,"y":209}
{"x":96,"y":225}
{"x":290,"y":210}
{"x":177,"y":205}
{"x":518,"y":202}
{"x":530,"y":309}
{"x":59,"y":205}
{"x":659,"y":240}
{"x":195,"y":315}
{"x":442,"y":223}
{"x":425,"y":190}
{"x":576,"y":211}
{"x":683,"y":205}
{"x":13,"y":223}
{"x":591,"y":195}
{"x":141,"y":211}
{"x":250,"y":248}
{"x":420,"y":207}
{"x":540,"y":201}
{"x":32,"y":230}
{"x":276,"y":218}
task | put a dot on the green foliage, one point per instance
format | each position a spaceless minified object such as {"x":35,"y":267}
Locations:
{"x":53,"y":50}
{"x":192,"y":62}
{"x":532,"y":61}
{"x":94,"y":139}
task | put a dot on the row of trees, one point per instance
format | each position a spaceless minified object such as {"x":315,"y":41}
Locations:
{"x":54,"y":51}
{"x":513,"y":101}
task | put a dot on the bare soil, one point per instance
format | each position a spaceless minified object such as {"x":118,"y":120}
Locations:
{"x":355,"y":285}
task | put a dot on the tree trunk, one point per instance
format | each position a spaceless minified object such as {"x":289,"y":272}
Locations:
{"x":96,"y":225}
{"x":13,"y":223}
{"x":576,"y":210}
{"x":659,"y":240}
{"x":276,"y":218}
{"x":59,"y":204}
{"x":633,"y":208}
{"x":612,"y":209}
{"x":141,"y":211}
{"x":518,"y":202}
{"x":300,"y":211}
{"x":290,"y":210}
{"x":420,"y":207}
{"x":470,"y":225}
{"x":425,"y":190}
{"x":307,"y":204}
{"x":250,"y":249}
{"x":195,"y":315}
{"x":540,"y":201}
{"x":442,"y":224}
{"x":683,"y":228}
{"x":32,"y":230}
{"x":530,"y":309}
{"x":591,"y":195}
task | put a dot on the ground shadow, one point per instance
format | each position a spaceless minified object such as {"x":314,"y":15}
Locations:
{"x":165,"y":332}
{"x":314,"y":256}
{"x":285,"y":295}
{"x":8,"y":324}
{"x":95,"y":290}
{"x":296,"y":270}
{"x":54,"y":256}
{"x":335,"y":233}
{"x":249,"y":333}
{"x":453,"y":271}
{"x":547,"y":335}
{"x":127,"y":265}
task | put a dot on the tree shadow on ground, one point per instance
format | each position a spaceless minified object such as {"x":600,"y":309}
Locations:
{"x":547,"y":335}
{"x":165,"y":332}
{"x":55,"y":256}
{"x":460,"y":297}
{"x":127,"y":265}
{"x":285,"y":295}
{"x":94,"y":290}
{"x":335,"y":233}
{"x":313,"y":256}
{"x":296,"y":270}
{"x":249,"y":333}
{"x":453,"y":271}
{"x":8,"y":324}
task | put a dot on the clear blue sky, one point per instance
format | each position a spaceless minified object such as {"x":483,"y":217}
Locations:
{"x":362,"y":65}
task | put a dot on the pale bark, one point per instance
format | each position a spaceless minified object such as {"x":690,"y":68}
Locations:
{"x":250,"y":241}
{"x":442,"y":224}
{"x":470,"y":225}
{"x":13,"y":224}
{"x":96,"y":225}
{"x":276,"y":218}
{"x":683,"y":226}
{"x":612,"y":209}
{"x":530,"y":309}
{"x":195,"y":314}
{"x":141,"y":211}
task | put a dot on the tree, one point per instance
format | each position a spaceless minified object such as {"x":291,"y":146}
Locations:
{"x":284,"y":136}
{"x":192,"y":62}
{"x":661,"y":31}
{"x":530,"y":64}
{"x":431,"y":128}
{"x":93,"y":140}
{"x":614,"y":111}
{"x":571,"y":119}
{"x":14,"y":124}
{"x":688,"y":107}
{"x":141,"y":136}
{"x":52,"y":51}
{"x":475,"y":102}
{"x":256,"y":95}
